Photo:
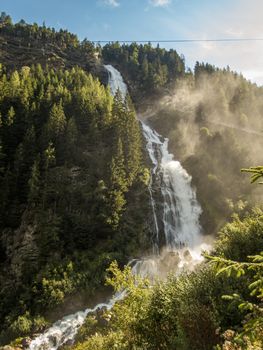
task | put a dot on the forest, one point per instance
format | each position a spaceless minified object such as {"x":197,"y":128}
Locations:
{"x":75,"y":205}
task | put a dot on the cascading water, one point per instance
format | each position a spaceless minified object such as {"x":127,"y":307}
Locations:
{"x":180,"y":221}
{"x":181,"y":210}
{"x":65,"y":330}
{"x":116,"y":81}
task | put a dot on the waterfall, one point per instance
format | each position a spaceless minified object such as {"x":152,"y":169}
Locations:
{"x":181,"y":211}
{"x":180,"y":221}
{"x":116,"y":81}
{"x":64,"y":331}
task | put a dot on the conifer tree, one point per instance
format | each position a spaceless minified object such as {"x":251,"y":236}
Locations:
{"x":34,"y":183}
{"x":118,"y":186}
{"x":57,"y":121}
{"x":10,"y":116}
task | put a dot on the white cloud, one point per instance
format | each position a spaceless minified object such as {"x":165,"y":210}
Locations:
{"x":239,"y":20}
{"x":256,"y":76}
{"x":160,"y":3}
{"x":112,"y":3}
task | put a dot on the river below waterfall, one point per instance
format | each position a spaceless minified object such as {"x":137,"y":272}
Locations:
{"x":179,"y":223}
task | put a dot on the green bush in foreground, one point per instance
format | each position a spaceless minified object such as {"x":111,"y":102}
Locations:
{"x":189,"y":312}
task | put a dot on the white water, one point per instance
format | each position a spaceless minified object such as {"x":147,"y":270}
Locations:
{"x":65,"y":330}
{"x":180,"y":221}
{"x":116,"y":81}
{"x":181,"y":211}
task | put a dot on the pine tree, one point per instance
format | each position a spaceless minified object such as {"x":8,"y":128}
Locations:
{"x":118,"y":186}
{"x":34,"y":183}
{"x":49,"y":156}
{"x":14,"y":82}
{"x":118,"y":174}
{"x":71,"y":132}
{"x":2,"y":157}
{"x":10,"y":116}
{"x":145,"y":69}
{"x":57,"y":121}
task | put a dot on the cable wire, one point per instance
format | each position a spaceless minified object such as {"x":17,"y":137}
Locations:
{"x":179,"y":40}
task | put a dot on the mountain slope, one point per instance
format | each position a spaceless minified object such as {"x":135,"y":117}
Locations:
{"x":72,"y":174}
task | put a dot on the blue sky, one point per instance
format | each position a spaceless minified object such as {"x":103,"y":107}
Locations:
{"x":159,"y":20}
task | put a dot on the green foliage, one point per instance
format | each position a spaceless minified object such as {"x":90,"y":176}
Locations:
{"x":10,"y":116}
{"x":22,"y":325}
{"x":25,"y":324}
{"x":118,"y":185}
{"x":55,"y":284}
{"x":49,"y":156}
{"x":241,"y":237}
{"x":257,"y":173}
{"x":252,"y":327}
{"x":71,"y":166}
{"x":57,"y":121}
{"x":188,"y":311}
{"x":114,"y":340}
{"x":34,"y":183}
{"x":34,"y":43}
{"x":148,"y":69}
{"x":88,"y":329}
{"x":125,"y":316}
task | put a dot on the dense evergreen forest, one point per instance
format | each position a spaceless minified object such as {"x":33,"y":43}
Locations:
{"x":24,"y":44}
{"x":74,"y":196}
{"x":148,"y":70}
{"x":72,"y":175}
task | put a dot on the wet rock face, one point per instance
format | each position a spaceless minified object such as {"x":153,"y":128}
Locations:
{"x":187,"y":255}
{"x":101,"y":316}
{"x":53,"y":339}
{"x":174,"y":262}
{"x":66,"y":345}
{"x":169,"y":262}
{"x":25,"y":342}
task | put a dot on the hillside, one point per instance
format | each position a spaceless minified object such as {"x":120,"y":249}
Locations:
{"x":212,"y":117}
{"x":73,"y":170}
{"x":23,"y":44}
{"x":213,"y":120}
